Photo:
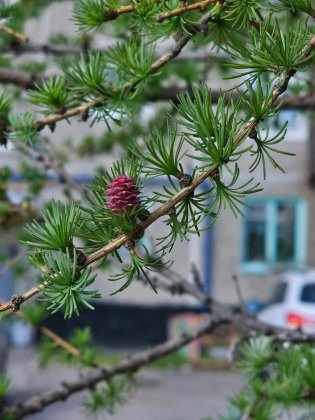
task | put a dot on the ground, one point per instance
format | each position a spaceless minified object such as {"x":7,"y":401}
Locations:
{"x":184,"y":394}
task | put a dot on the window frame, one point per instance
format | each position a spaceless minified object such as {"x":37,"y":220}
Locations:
{"x":271,"y":263}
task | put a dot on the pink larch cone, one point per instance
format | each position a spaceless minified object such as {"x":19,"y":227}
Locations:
{"x":122,"y":194}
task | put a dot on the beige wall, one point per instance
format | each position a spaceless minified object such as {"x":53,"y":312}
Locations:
{"x":228,"y":230}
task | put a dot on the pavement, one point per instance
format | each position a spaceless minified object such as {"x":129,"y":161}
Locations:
{"x":183,"y":394}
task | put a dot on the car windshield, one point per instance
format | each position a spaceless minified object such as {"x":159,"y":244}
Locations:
{"x":308,"y":293}
{"x":278,"y":293}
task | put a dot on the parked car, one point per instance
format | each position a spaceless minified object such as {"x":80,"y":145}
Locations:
{"x":293,"y":302}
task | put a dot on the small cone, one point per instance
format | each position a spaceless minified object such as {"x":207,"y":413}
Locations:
{"x":122,"y":194}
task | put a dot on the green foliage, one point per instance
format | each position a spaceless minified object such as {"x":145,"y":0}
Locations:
{"x":90,"y":14}
{"x":258,"y":100}
{"x":265,"y":148}
{"x":270,"y":49}
{"x":106,"y":398}
{"x":300,"y":5}
{"x":5,"y":383}
{"x":138,"y":269}
{"x":57,"y":230}
{"x":65,"y":284}
{"x":279,"y":377}
{"x":52,"y":95}
{"x":35,"y":313}
{"x":7,"y":9}
{"x":131,"y":62}
{"x":161,"y":156}
{"x":231,"y":195}
{"x":23,"y":128}
{"x":241,"y":12}
{"x":210,"y":132}
{"x":89,"y":76}
{"x":5,"y":103}
{"x":81,"y":339}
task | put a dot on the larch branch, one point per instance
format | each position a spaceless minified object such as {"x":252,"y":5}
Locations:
{"x":184,"y":9}
{"x":15,"y":34}
{"x":279,"y":87}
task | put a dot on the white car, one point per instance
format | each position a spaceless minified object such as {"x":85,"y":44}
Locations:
{"x":293,"y":302}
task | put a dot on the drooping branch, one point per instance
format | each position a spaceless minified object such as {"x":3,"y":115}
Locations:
{"x":12,"y":32}
{"x":49,"y":333}
{"x":279,"y":87}
{"x":130,"y":364}
{"x":22,"y":79}
{"x":221,"y":314}
{"x":25,"y":80}
{"x":245,"y":323}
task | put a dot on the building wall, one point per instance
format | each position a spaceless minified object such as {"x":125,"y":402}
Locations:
{"x":228,"y":231}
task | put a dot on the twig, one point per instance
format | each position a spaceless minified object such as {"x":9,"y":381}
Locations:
{"x":196,"y":276}
{"x":49,"y":333}
{"x":279,"y":87}
{"x":130,"y":364}
{"x":184,"y":9}
{"x":115,"y":13}
{"x":15,"y":34}
{"x":60,"y":341}
{"x":25,"y":80}
{"x":245,"y":323}
{"x":20,"y":78}
{"x":81,"y":109}
{"x":239,"y":293}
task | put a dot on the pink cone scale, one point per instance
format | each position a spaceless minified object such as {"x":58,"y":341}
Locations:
{"x":122,"y":194}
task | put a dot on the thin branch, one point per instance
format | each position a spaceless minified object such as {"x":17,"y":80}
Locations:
{"x":81,"y":109}
{"x":49,"y":333}
{"x":25,"y":80}
{"x":221,"y":314}
{"x":53,"y":49}
{"x":15,"y":34}
{"x":60,"y":49}
{"x":115,"y":13}
{"x":279,"y":87}
{"x":184,"y":9}
{"x":16,"y":300}
{"x":22,"y":79}
{"x":130,"y":364}
{"x":239,"y":293}
{"x":243,"y":322}
{"x":60,"y":341}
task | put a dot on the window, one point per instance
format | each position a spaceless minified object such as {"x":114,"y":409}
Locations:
{"x":274,"y":235}
{"x":308,"y":293}
{"x":278,"y":294}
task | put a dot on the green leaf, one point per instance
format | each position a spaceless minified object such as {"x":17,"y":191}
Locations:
{"x":23,"y":128}
{"x":52,"y":95}
{"x":65,"y":284}
{"x":57,"y":230}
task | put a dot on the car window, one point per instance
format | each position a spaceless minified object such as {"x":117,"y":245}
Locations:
{"x":308,"y":293}
{"x":278,"y":294}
